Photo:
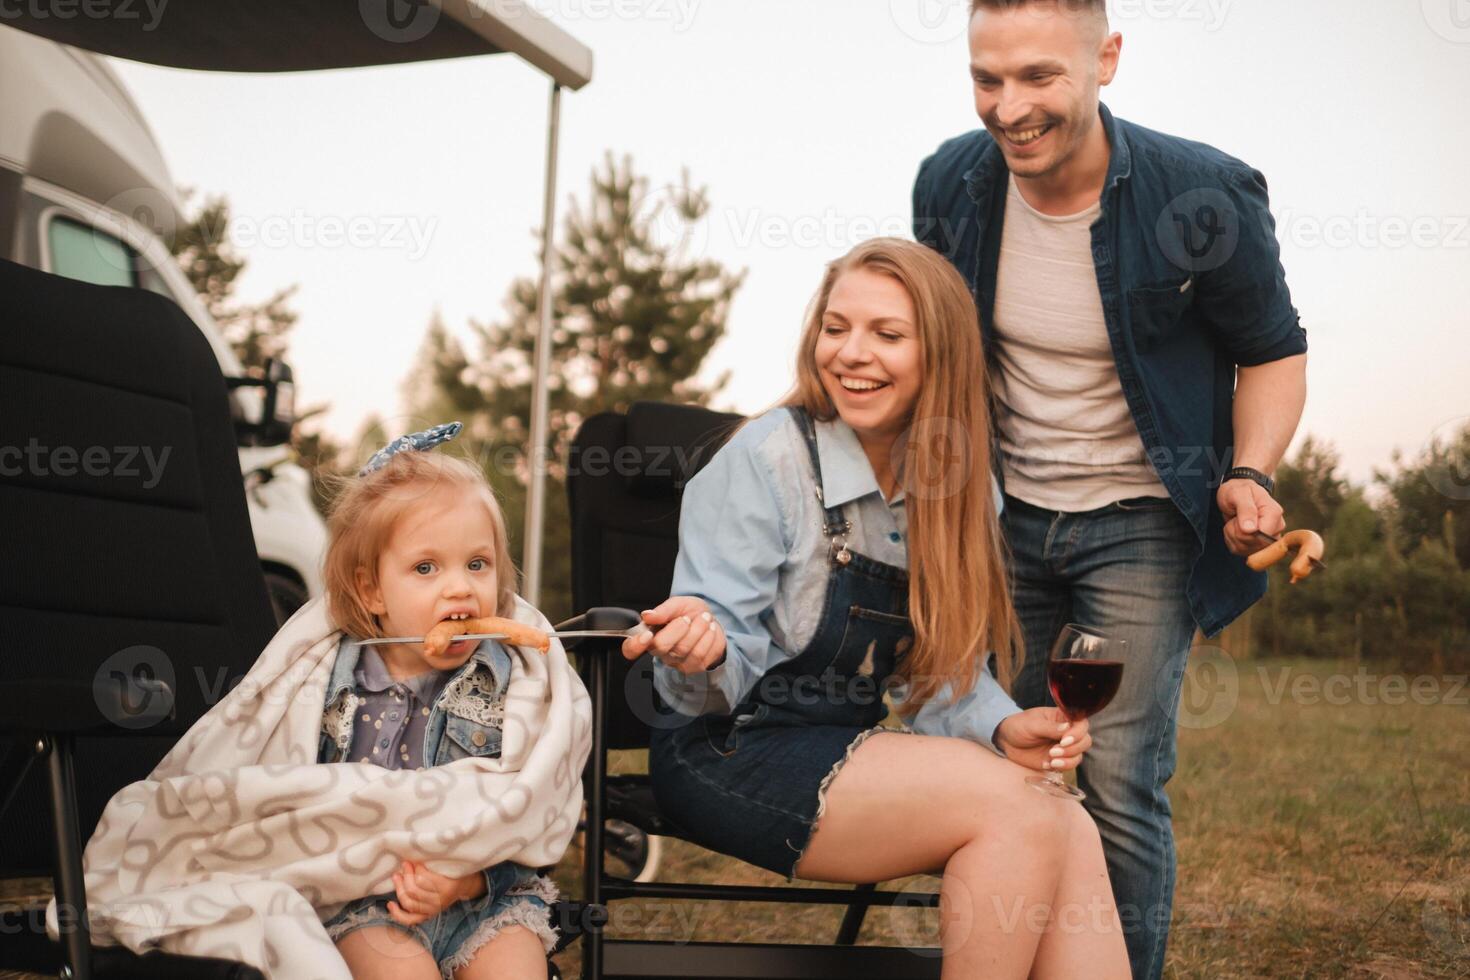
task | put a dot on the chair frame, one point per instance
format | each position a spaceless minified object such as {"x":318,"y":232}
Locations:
{"x":612,"y":958}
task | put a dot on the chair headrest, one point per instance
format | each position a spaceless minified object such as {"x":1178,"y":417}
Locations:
{"x":668,"y":444}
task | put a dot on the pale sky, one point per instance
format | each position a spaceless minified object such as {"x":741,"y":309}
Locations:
{"x":806,"y":121}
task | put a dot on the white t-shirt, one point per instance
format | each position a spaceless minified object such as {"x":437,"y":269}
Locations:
{"x":1067,"y":440}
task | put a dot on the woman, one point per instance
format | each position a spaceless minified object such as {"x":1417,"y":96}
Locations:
{"x":844,"y":546}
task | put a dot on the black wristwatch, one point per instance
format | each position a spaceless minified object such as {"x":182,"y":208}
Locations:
{"x":1254,"y":475}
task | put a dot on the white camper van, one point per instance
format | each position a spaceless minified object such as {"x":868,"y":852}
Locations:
{"x":83,"y":193}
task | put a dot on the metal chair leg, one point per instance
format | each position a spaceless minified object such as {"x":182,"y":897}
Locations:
{"x":852,"y":919}
{"x":71,"y":891}
{"x":592,"y":840}
{"x":20,"y":754}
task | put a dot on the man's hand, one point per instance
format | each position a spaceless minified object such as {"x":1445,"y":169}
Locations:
{"x":1043,"y":738}
{"x":1248,"y":508}
{"x":687,"y":636}
{"x":423,"y":894}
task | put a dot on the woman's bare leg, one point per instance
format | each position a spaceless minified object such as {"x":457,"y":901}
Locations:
{"x":1084,"y":937}
{"x":910,"y":804}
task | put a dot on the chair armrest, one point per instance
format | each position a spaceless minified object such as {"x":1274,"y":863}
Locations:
{"x":115,"y":704}
{"x":599,"y":618}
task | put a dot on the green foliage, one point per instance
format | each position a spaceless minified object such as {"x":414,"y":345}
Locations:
{"x":1397,"y":590}
{"x":634,"y":317}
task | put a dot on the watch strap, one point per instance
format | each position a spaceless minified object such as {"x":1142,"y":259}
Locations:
{"x":1252,"y":474}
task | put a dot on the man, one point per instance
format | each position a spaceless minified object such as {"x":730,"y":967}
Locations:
{"x":1149,"y":372}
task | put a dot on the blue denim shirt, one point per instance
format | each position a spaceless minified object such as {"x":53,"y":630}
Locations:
{"x":751,"y":545}
{"x":464,"y":720}
{"x":1189,"y":272}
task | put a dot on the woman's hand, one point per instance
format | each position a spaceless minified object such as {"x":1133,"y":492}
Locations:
{"x":423,"y":894}
{"x":1042,"y":738}
{"x":686,"y":635}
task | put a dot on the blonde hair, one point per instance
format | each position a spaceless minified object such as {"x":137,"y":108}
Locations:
{"x":959,"y":596}
{"x":362,"y":519}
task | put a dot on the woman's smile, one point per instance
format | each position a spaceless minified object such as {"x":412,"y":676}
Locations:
{"x":867,"y":354}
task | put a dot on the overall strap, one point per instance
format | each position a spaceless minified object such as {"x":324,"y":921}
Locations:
{"x":835,"y":526}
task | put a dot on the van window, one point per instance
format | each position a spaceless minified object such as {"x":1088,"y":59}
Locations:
{"x":81,"y":252}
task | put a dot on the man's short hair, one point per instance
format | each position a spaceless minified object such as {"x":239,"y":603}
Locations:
{"x":1074,"y":6}
{"x":1095,"y":11}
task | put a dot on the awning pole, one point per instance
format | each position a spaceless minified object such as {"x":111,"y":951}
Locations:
{"x":540,"y":400}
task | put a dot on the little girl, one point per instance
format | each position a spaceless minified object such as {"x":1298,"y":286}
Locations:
{"x":417,"y":540}
{"x":353,"y":810}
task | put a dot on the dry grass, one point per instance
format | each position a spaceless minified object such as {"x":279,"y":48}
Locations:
{"x":1314,"y":840}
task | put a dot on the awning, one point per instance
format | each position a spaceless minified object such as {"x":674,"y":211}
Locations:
{"x":307,"y":35}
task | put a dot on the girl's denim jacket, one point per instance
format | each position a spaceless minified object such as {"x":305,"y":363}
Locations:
{"x":465,"y":720}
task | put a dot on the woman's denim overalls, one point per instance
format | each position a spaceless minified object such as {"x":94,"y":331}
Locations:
{"x":747,"y":784}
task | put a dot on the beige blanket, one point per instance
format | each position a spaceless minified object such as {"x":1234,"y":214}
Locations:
{"x":239,"y":845}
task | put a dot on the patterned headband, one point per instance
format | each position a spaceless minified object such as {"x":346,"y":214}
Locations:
{"x":415,"y":441}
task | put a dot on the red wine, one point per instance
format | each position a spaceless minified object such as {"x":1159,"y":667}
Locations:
{"x":1082,"y":688}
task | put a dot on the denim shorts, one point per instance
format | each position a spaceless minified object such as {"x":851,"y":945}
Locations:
{"x":516,"y":896}
{"x":748,"y":790}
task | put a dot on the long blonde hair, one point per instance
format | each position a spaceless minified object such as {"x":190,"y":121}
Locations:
{"x":959,"y":597}
{"x":362,"y":519}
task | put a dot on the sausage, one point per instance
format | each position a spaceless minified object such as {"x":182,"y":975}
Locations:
{"x":1309,"y":545}
{"x":437,"y":640}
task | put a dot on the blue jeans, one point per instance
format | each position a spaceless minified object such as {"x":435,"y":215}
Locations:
{"x":1122,"y":568}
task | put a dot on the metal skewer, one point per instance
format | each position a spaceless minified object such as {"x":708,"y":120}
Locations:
{"x":563,"y":635}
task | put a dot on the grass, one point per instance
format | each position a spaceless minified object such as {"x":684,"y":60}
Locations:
{"x":1314,"y":840}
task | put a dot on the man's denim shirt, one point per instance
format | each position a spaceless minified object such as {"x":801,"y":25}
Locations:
{"x":465,"y":720}
{"x":1191,"y":282}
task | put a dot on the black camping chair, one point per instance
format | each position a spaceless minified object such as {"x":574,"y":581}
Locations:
{"x":626,"y":474}
{"x":131,"y":596}
{"x":130,"y":590}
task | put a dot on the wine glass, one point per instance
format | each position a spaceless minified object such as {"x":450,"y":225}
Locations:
{"x":1083,"y":672}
